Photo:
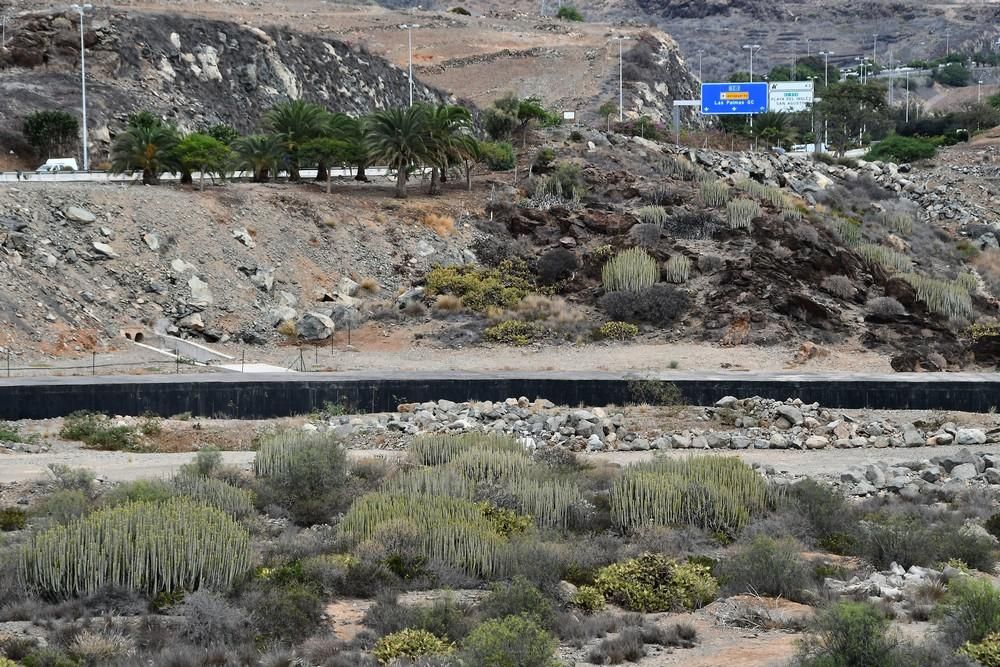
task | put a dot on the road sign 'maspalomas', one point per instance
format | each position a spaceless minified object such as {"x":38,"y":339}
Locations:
{"x":729,"y":99}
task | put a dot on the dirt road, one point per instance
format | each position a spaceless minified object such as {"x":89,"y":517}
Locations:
{"x":125,"y":466}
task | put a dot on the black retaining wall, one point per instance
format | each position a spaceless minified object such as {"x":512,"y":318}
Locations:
{"x":259,"y":396}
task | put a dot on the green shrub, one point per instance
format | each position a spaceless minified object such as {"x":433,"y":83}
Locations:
{"x":436,"y":450}
{"x":515,"y":641}
{"x":152,"y":547}
{"x":848,"y":230}
{"x":518,"y":597}
{"x":569,"y":13}
{"x":714,"y":194}
{"x":950,"y":299}
{"x":952,"y":74}
{"x":285,"y":611}
{"x":96,"y":431}
{"x":680,"y":168}
{"x":48,"y":657}
{"x":410,"y":643}
{"x":719,"y":494}
{"x":653,"y":582}
{"x":741,"y":213}
{"x":766,"y":567}
{"x":461,"y":11}
{"x":885,"y":257}
{"x":11,"y":433}
{"x":849,"y":635}
{"x":909,"y":539}
{"x":970,"y":611}
{"x":985,"y":652}
{"x":303,"y":473}
{"x":12,"y":518}
{"x":630,"y":270}
{"x":652,"y":215}
{"x":503,"y":286}
{"x":208,"y":460}
{"x":992,"y":525}
{"x":63,"y":506}
{"x":617,"y":331}
{"x":141,"y":490}
{"x":543,"y":159}
{"x":566,"y":182}
{"x":832,"y":522}
{"x":678,"y":269}
{"x":498,"y":155}
{"x":895,"y":148}
{"x":588,"y":598}
{"x":451,"y":530}
{"x":512,"y":332}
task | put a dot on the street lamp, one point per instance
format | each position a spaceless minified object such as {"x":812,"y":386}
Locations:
{"x":947,"y":42}
{"x":409,"y":50}
{"x":83,"y":84}
{"x":752,"y":48}
{"x":874,"y":47}
{"x":979,"y":92}
{"x":621,"y":81}
{"x":907,"y":94}
{"x":826,"y":67}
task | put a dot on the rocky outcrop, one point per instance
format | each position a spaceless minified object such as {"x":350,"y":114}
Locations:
{"x":191,"y":71}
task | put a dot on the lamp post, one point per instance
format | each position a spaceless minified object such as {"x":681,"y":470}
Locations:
{"x":907,"y":95}
{"x":826,"y":67}
{"x":621,"y":81}
{"x":874,"y":47}
{"x":979,"y":91}
{"x":83,"y":85}
{"x":752,"y":48}
{"x":700,"y":54}
{"x":947,"y":42}
{"x":808,"y":52}
{"x":409,"y":53}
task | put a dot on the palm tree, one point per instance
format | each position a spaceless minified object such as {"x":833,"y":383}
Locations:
{"x":325,"y":151}
{"x":355,"y":132}
{"x":446,"y":125}
{"x":258,"y":153}
{"x":399,"y":138}
{"x":152,"y":148}
{"x":773,"y":128}
{"x":295,"y":122}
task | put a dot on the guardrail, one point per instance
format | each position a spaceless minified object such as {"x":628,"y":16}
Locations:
{"x":136,"y":176}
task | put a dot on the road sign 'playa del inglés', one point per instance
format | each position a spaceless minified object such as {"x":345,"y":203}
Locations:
{"x":723,"y":99}
{"x":790,"y":96}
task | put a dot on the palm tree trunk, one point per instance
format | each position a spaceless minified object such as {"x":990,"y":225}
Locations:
{"x":435,"y":188}
{"x":468,"y":175}
{"x":361,"y":176}
{"x":147,"y":177}
{"x":321,"y":172}
{"x":401,"y":183}
{"x":328,"y":181}
{"x":201,"y":180}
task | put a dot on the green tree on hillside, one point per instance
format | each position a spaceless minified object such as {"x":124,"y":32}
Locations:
{"x":259,"y":154}
{"x":151,"y":148}
{"x":446,"y":126}
{"x":607,"y":110}
{"x":851,"y":109}
{"x":399,"y":138}
{"x":203,"y":153}
{"x":295,"y":123}
{"x":227,"y":134}
{"x":50,"y":131}
{"x":326,"y":151}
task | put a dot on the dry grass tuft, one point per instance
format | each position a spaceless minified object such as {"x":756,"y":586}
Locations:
{"x":369,"y":285}
{"x":287,"y":328}
{"x":448,"y":303}
{"x":442,"y":225}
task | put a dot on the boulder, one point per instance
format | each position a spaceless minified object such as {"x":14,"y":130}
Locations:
{"x":153,"y":242}
{"x":79,"y":214}
{"x":263,"y":279}
{"x":964,"y":471}
{"x":790,"y":414}
{"x":200,"y":294}
{"x":314,"y":326}
{"x":970,"y":436}
{"x":104,"y":250}
{"x":244,"y":237}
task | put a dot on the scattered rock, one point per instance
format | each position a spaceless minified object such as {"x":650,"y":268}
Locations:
{"x":79,"y":214}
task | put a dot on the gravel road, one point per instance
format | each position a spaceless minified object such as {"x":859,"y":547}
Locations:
{"x":125,"y":466}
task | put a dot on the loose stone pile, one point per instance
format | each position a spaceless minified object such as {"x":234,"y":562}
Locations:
{"x":748,"y":423}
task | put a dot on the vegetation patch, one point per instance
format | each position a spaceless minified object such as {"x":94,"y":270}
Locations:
{"x":479,"y":288}
{"x":654,"y":582}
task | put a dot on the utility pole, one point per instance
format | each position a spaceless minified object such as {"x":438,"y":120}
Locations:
{"x":808,"y":52}
{"x":700,"y":54}
{"x":907,"y":95}
{"x":83,"y":86}
{"x":826,"y":67}
{"x":409,"y":51}
{"x":892,"y":79}
{"x":752,"y":48}
{"x":979,"y":92}
{"x":621,"y":82}
{"x":947,"y":42}
{"x":875,"y":48}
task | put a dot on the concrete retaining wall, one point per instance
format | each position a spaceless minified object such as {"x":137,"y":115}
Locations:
{"x":257,"y":396}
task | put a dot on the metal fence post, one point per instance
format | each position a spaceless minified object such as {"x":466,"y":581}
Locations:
{"x":93,"y":363}
{"x":243,"y":361}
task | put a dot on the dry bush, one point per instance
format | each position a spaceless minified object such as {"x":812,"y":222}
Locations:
{"x":841,"y":286}
{"x":988,"y":264}
{"x":448,"y":303}
{"x":885,"y":306}
{"x":709,"y":264}
{"x":369,"y":285}
{"x":442,"y":225}
{"x":287,"y":328}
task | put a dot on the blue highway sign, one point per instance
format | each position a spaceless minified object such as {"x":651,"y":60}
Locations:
{"x":724,"y":99}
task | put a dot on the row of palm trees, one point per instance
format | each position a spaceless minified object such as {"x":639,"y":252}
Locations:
{"x":297,"y":134}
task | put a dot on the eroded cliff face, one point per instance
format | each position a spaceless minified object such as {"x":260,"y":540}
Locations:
{"x":191,"y":71}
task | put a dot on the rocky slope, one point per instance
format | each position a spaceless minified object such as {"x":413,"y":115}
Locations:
{"x":191,"y":71}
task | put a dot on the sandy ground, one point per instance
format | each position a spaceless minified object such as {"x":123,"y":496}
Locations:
{"x":375,"y":347}
{"x":126,"y":466}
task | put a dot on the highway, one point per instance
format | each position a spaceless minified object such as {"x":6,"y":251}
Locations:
{"x":27,"y":177}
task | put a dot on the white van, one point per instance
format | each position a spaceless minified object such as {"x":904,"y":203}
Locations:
{"x":58,"y":164}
